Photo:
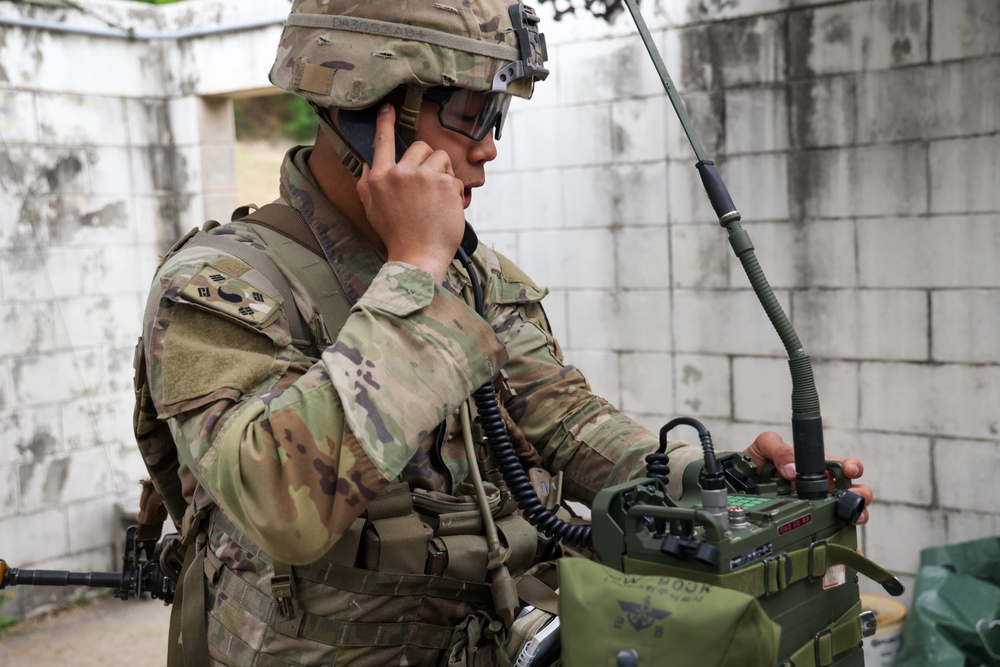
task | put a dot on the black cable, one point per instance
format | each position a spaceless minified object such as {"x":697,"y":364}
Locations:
{"x":520,"y":487}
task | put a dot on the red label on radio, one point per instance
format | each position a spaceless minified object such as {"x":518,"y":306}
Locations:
{"x":795,"y":523}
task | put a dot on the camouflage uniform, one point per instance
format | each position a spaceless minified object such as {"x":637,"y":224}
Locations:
{"x":293,"y":448}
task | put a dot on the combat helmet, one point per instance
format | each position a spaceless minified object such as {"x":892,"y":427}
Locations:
{"x":351,"y":54}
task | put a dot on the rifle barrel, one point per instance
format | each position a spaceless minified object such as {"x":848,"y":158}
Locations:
{"x":15,"y":577}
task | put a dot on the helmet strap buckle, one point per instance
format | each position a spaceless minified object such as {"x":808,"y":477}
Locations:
{"x":409,"y":113}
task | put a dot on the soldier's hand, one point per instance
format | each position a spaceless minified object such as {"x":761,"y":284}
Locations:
{"x":417,"y":205}
{"x":770,"y":447}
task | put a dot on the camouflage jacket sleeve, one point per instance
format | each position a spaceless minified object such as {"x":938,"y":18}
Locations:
{"x":292,"y":448}
{"x":574,"y":430}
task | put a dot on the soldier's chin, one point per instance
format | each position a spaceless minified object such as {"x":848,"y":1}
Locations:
{"x":467,"y":197}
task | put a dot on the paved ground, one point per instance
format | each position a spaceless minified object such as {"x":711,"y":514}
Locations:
{"x":104,"y":633}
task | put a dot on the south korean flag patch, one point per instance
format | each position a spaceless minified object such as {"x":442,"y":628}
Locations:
{"x":217,"y":290}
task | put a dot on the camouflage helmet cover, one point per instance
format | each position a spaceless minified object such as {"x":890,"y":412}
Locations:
{"x":349,"y":54}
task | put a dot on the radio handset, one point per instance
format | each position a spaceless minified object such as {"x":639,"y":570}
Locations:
{"x":357,"y":127}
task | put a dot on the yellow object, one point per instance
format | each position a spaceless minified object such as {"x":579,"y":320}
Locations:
{"x":880,"y":650}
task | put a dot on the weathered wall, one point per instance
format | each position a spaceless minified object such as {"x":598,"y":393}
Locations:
{"x":109,"y":148}
{"x":859,"y":139}
{"x":861,"y":142}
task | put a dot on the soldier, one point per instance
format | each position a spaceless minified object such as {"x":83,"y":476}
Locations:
{"x":335,"y":514}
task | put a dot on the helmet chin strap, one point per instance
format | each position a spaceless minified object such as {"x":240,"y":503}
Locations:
{"x":407,"y":122}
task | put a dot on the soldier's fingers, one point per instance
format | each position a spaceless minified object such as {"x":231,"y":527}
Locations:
{"x":385,"y":144}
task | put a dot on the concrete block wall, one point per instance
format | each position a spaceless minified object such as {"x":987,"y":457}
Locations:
{"x":860,"y":140}
{"x":109,"y":148}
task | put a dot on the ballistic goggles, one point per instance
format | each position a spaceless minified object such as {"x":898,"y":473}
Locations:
{"x":474,"y":114}
{"x":468,"y":112}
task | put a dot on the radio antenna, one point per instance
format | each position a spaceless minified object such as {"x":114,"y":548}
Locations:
{"x":807,"y":424}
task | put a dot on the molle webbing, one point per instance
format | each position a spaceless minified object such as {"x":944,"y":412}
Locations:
{"x":345,"y":581}
{"x":278,"y":222}
{"x":404,"y":32}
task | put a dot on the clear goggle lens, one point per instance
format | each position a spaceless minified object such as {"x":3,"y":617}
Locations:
{"x":468,"y":112}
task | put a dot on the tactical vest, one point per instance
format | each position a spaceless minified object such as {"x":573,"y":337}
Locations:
{"x":407,"y":584}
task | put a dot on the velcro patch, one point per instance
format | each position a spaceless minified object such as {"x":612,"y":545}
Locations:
{"x":220,"y":291}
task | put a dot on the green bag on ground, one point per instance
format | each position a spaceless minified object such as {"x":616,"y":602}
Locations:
{"x":663,"y":620}
{"x":954,"y":620}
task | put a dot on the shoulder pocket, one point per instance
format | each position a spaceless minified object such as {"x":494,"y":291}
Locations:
{"x":514,"y":285}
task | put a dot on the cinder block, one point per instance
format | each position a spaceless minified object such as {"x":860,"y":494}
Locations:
{"x":761,"y":389}
{"x":8,"y":491}
{"x":636,"y":321}
{"x":758,"y":185}
{"x":895,"y":534}
{"x":952,"y":400}
{"x":824,"y":111}
{"x":964,"y":473}
{"x":31,"y":434}
{"x":17,"y":113}
{"x":865,"y":324}
{"x":700,"y":256}
{"x":965,"y":526}
{"x":827,"y":40}
{"x":601,"y":370}
{"x":707,"y":112}
{"x":577,"y":259}
{"x":104,"y":421}
{"x":963,"y":322}
{"x":863,"y":181}
{"x":724,"y":323}
{"x":79,"y":373}
{"x":81,"y":120}
{"x":757,"y":120}
{"x":964,"y":29}
{"x":819,"y":253}
{"x":118,"y":363}
{"x":703,"y":385}
{"x":965,"y":102}
{"x":27,"y":328}
{"x":110,"y":169}
{"x":642,"y":258}
{"x":35,"y":537}
{"x":614,"y":195}
{"x":647,"y":383}
{"x":42,"y":482}
{"x":552,"y":137}
{"x":965,"y":175}
{"x":516,"y":201}
{"x":940,"y":251}
{"x":69,"y":272}
{"x":90,"y":221}
{"x":897,"y":467}
{"x":94,"y":524}
{"x":899,"y":33}
{"x":95,"y":320}
{"x":638,"y":130}
{"x":681,"y":13}
{"x":605,"y":70}
{"x":5,"y":390}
